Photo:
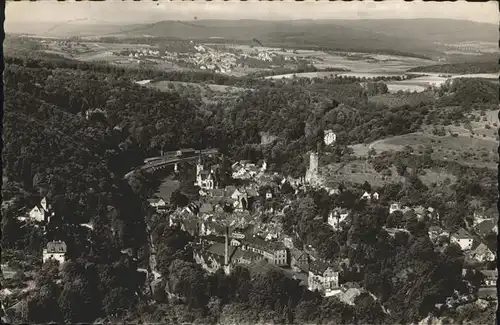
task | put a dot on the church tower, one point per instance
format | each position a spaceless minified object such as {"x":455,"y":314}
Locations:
{"x":199,"y":169}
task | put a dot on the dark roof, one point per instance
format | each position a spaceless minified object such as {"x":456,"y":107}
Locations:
{"x":217,"y":192}
{"x":56,"y":247}
{"x":490,"y":274}
{"x":205,"y":174}
{"x":462,"y":234}
{"x":319,"y":267}
{"x":248,"y":255}
{"x":435,"y":229}
{"x":487,"y":292}
{"x":155,"y":200}
{"x":219,"y":249}
{"x":260,"y":243}
{"x":229,"y":190}
{"x":486,"y":226}
{"x":214,"y":238}
{"x":297,"y":253}
{"x":190,"y":224}
{"x":206,"y":208}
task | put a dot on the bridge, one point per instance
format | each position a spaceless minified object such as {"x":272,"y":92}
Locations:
{"x":172,"y":158}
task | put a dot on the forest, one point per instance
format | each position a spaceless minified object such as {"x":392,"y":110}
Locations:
{"x":73,"y":130}
{"x":460,"y":68}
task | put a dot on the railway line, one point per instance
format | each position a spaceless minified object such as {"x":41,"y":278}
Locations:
{"x":172,"y":158}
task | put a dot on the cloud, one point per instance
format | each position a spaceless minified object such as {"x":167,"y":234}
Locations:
{"x":149,"y":11}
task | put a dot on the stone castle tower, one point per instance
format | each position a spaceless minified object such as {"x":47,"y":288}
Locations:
{"x":313,"y":162}
{"x":312,"y":171}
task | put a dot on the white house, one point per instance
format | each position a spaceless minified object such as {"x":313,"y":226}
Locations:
{"x":269,"y":195}
{"x":462,"y":238}
{"x":368,"y":196}
{"x":482,"y":254}
{"x":157,"y":203}
{"x":40,"y":212}
{"x":336,"y":217}
{"x":394,"y":207}
{"x":324,"y":278}
{"x":37,"y":214}
{"x":490,"y":278}
{"x":55,"y":250}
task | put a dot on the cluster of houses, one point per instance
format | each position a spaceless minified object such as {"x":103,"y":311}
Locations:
{"x":40,"y":213}
{"x":247,"y":170}
{"x":224,"y":252}
{"x":222,"y":244}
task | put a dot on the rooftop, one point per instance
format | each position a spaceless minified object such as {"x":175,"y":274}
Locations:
{"x":56,"y":247}
{"x":486,"y":226}
{"x":490,"y":274}
{"x":319,"y":267}
{"x":462,"y":234}
{"x":155,"y":200}
{"x":260,"y":243}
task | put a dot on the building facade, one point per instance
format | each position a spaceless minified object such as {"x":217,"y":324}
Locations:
{"x":323,"y":278}
{"x":463,"y":239}
{"x":55,"y":250}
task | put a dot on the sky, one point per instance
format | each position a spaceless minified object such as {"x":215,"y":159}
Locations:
{"x":115,"y":11}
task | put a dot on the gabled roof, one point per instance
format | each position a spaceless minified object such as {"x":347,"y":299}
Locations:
{"x":206,"y":174}
{"x":480,"y":248}
{"x":206,"y":208}
{"x":217,"y":192}
{"x":486,"y":226}
{"x":155,"y":200}
{"x":56,"y":247}
{"x":229,"y":190}
{"x":252,"y":192}
{"x":248,"y":255}
{"x":319,"y":267}
{"x":260,"y":243}
{"x":490,"y":274}
{"x":213,"y":238}
{"x":435,"y":229}
{"x":462,"y":234}
{"x":297,"y":253}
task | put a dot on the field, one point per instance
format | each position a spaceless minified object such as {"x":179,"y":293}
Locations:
{"x":475,"y":144}
{"x":359,"y":171}
{"x":475,"y":151}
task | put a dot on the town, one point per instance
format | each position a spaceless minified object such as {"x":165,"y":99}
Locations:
{"x":266,"y":169}
{"x":242,"y":225}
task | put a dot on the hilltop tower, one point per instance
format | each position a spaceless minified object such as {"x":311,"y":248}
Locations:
{"x":313,"y":162}
{"x":312,"y":171}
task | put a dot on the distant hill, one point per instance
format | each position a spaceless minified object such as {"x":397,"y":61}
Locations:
{"x":416,"y":36}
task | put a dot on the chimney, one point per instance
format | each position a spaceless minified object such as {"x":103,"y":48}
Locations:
{"x":226,"y":247}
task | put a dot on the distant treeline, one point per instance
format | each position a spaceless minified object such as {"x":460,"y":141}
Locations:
{"x":126,"y":72}
{"x":460,"y":68}
{"x":302,"y":69}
